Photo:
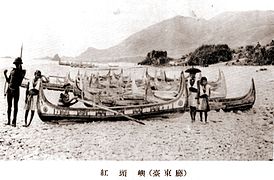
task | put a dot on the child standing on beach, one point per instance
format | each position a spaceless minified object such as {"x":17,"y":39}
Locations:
{"x":204,"y":93}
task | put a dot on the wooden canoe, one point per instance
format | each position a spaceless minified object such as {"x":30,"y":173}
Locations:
{"x":218,"y":89}
{"x":242,"y":103}
{"x":56,"y":85}
{"x":50,"y":112}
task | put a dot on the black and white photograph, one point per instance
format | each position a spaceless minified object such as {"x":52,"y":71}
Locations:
{"x":137,"y":81}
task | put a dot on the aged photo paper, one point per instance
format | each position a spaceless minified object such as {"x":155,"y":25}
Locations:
{"x":127,"y":89}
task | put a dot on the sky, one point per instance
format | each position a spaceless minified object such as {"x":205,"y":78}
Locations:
{"x":70,"y":27}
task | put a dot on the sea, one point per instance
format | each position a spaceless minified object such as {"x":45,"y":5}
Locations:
{"x":238,"y":78}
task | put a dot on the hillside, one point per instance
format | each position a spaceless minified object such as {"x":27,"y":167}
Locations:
{"x":180,"y":35}
{"x":242,"y":28}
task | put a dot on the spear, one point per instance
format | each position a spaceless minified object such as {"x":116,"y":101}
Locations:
{"x":21,"y":51}
{"x":5,"y":85}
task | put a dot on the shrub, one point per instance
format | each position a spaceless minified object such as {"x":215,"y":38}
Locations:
{"x":155,"y":58}
{"x":269,"y":56}
{"x":210,"y":54}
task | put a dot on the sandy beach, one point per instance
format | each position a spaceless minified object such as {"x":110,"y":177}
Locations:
{"x":227,"y":136}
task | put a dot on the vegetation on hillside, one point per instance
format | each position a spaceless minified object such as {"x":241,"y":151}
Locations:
{"x":254,"y":55}
{"x":210,"y":54}
{"x":56,"y":58}
{"x":155,"y":58}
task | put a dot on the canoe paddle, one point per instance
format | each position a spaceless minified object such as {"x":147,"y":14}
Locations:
{"x":110,"y":110}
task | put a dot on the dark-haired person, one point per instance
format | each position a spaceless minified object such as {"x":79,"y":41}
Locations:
{"x":32,"y":96}
{"x":32,"y":93}
{"x":204,"y":94}
{"x":193,"y":91}
{"x":14,"y":81}
{"x":64,"y":99}
{"x":192,"y":98}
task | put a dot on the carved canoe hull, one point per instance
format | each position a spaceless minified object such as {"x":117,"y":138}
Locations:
{"x":242,"y":103}
{"x":50,"y":112}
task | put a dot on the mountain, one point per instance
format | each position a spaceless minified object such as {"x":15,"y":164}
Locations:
{"x":242,"y":28}
{"x":181,"y":35}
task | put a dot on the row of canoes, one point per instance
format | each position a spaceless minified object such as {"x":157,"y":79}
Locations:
{"x":77,"y":64}
{"x":49,"y":112}
{"x":113,"y":91}
{"x":155,"y":101}
{"x":96,"y":82}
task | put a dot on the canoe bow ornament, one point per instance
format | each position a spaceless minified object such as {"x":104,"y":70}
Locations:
{"x":48,"y":111}
{"x":179,"y":103}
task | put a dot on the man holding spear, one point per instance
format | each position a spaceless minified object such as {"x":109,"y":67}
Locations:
{"x":14,"y":81}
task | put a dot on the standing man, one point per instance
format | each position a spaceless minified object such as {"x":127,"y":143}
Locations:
{"x":14,"y":81}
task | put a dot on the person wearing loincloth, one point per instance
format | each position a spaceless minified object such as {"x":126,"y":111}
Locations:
{"x":32,"y":93}
{"x":14,"y":81}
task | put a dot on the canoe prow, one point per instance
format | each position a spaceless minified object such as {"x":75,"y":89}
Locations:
{"x":49,"y":112}
{"x":242,"y":103}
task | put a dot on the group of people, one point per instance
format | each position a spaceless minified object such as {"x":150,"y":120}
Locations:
{"x":12,"y":92}
{"x":198,"y":95}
